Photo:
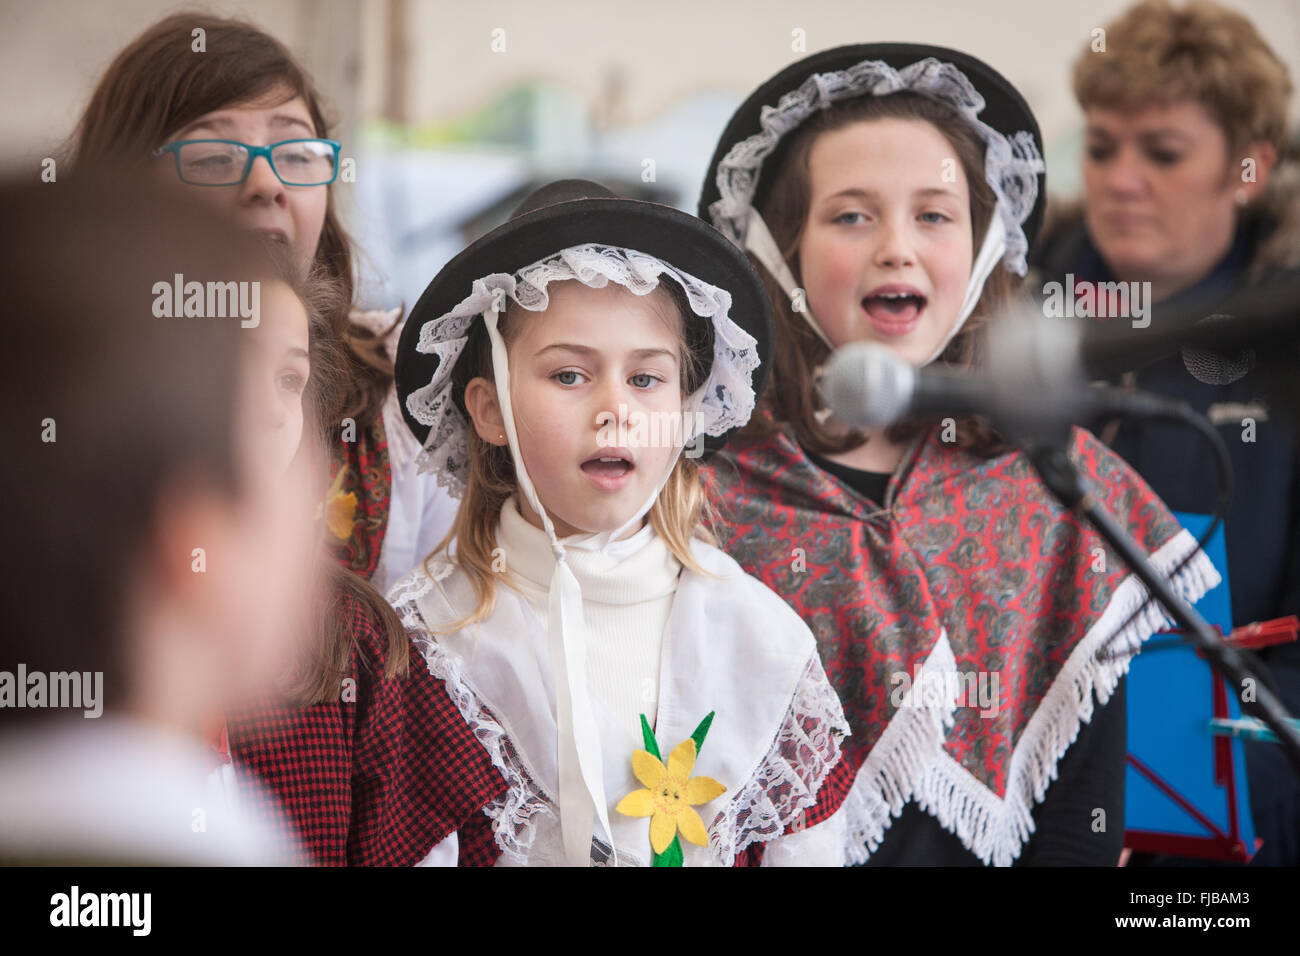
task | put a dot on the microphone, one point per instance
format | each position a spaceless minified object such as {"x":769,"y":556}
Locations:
{"x":1220,"y":339}
{"x":1215,"y":368}
{"x":1033,"y":381}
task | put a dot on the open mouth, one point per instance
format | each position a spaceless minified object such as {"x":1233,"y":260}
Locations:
{"x":894,"y":309}
{"x":610,"y":469}
{"x":608,"y":466}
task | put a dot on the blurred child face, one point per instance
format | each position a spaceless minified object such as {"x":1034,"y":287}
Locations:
{"x":263,"y":620}
{"x":1160,"y":192}
{"x":261,"y":585}
{"x":593,"y":354}
{"x":293,"y":215}
{"x":278,"y":368}
{"x":238,"y":567}
{"x":886,"y":251}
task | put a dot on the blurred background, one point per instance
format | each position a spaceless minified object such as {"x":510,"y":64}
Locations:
{"x":453,"y":111}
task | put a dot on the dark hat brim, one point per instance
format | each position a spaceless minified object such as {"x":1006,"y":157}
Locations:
{"x":678,"y":238}
{"x":1004,"y":109}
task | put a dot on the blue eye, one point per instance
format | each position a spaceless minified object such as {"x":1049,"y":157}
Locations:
{"x":842,"y":217}
{"x":650,"y":380}
{"x":942,"y":217}
{"x":567,"y":371}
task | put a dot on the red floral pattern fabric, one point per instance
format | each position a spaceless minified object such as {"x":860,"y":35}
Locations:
{"x":976,"y":549}
{"x":367,"y":476}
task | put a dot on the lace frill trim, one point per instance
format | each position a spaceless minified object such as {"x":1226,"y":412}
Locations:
{"x":1011,"y":164}
{"x":515,"y":816}
{"x":786,"y":783}
{"x":724,"y":402}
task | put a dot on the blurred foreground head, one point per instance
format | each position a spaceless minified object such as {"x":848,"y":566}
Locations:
{"x":157,"y":531}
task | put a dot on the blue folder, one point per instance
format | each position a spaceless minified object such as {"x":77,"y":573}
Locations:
{"x":1186,"y":792}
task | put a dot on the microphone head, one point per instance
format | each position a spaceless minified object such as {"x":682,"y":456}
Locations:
{"x":867,"y":385}
{"x":1217,"y":368}
{"x":1213,"y":368}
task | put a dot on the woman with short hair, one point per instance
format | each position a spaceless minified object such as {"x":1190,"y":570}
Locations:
{"x":1186,"y":188}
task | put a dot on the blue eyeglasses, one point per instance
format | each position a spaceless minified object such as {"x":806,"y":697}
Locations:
{"x":227,"y":162}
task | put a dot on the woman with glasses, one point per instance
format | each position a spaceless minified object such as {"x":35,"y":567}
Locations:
{"x":296,"y":163}
{"x":240,"y":126}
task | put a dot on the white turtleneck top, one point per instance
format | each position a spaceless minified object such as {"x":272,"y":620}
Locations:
{"x":737,"y":650}
{"x":627,"y":594}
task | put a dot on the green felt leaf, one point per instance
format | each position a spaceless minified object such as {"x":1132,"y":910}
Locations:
{"x":671,"y":856}
{"x":651,"y":745}
{"x":702,"y":731}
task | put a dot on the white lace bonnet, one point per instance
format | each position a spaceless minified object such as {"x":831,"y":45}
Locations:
{"x":575,"y":230}
{"x":1013,"y":164}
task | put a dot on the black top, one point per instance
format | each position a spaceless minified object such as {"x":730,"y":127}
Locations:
{"x":1089,"y":777}
{"x":869,"y":484}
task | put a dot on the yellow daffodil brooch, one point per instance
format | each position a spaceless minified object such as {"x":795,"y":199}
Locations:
{"x":671,"y":794}
{"x":338,"y":509}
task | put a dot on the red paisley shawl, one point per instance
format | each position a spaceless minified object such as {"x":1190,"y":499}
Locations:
{"x":369,"y":478}
{"x":972,"y":567}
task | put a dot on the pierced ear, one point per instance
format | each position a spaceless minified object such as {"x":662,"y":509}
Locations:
{"x":485,"y":411}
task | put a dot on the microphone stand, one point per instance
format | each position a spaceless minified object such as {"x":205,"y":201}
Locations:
{"x":1045,"y":449}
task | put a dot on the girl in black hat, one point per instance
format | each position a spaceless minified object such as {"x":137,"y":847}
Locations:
{"x":889,"y":193}
{"x":647,"y":702}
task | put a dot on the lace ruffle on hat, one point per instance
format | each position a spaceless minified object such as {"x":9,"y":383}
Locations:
{"x":1011,"y":164}
{"x":724,"y":402}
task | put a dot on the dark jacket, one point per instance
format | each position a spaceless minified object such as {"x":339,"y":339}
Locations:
{"x":1263,"y":521}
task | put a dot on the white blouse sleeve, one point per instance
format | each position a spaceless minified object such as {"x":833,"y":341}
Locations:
{"x":420,"y":512}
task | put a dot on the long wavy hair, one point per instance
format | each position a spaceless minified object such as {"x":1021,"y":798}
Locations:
{"x":341,"y":594}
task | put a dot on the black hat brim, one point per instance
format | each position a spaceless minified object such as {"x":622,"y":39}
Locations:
{"x":1004,"y":109}
{"x":676,"y":237}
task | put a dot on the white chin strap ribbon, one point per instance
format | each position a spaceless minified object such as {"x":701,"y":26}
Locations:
{"x":990,"y":254}
{"x":759,"y":241}
{"x":581,"y":794}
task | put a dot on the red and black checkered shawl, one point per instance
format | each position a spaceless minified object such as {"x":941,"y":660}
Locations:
{"x":971,"y":569}
{"x":377,"y":778}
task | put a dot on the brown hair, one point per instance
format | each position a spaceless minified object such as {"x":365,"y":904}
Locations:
{"x":791,"y":395}
{"x":1157,"y":54}
{"x":157,"y":85}
{"x":342,"y":595}
{"x":682,"y":510}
